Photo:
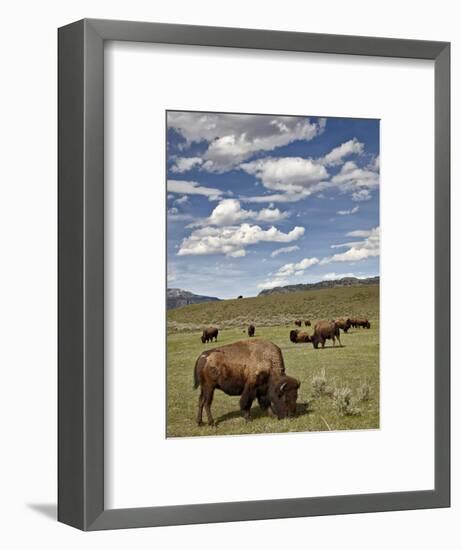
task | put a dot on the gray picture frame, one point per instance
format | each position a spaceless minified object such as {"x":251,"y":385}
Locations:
{"x":81,"y":274}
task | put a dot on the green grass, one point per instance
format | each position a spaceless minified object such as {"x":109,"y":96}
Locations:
{"x":350,"y":366}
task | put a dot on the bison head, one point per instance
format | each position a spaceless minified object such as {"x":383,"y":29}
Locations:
{"x":293,"y":336}
{"x":284,"y":396}
{"x":203,"y":339}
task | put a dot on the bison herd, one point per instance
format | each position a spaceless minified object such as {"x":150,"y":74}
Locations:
{"x":326,"y":330}
{"x":254,"y":369}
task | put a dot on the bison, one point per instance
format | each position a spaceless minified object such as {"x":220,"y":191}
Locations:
{"x":251,"y":331}
{"x":208,"y":334}
{"x":362,"y":322}
{"x":253,"y":369}
{"x":325,"y":330}
{"x":344,"y":324}
{"x":239,"y":297}
{"x":298,"y":337}
{"x":307,"y":323}
{"x":298,"y":323}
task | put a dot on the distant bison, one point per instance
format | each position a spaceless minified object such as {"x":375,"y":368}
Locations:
{"x":361,"y":322}
{"x":253,"y":369}
{"x":208,"y":334}
{"x":251,"y":331}
{"x":323,"y":331}
{"x":344,"y":324}
{"x":239,"y":297}
{"x":307,"y":323}
{"x":298,"y":323}
{"x":298,"y":337}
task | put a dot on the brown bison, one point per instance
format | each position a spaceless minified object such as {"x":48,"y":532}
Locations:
{"x":208,"y":334}
{"x":307,"y":323}
{"x":298,"y":323}
{"x":298,"y":337}
{"x":361,"y":322}
{"x":344,"y":324}
{"x":253,"y":369}
{"x":323,"y":331}
{"x":251,"y":331}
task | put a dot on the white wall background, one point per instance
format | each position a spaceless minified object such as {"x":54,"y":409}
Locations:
{"x":28,"y":272}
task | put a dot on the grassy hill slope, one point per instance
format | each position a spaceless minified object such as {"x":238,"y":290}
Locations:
{"x":278,"y":309}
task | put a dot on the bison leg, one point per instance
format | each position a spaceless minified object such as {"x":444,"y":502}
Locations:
{"x":265,"y":404}
{"x":323,"y":342}
{"x":201,"y":402}
{"x":208,"y":399}
{"x":246,"y":400}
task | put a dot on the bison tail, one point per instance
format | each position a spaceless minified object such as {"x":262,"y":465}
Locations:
{"x":196,"y":376}
{"x":199,"y":364}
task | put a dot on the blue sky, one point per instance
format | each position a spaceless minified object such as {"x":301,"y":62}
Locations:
{"x":257,"y":201}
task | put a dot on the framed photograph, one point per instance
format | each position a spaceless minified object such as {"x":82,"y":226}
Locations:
{"x":254,"y":303}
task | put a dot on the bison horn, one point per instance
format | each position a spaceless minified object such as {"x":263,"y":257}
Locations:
{"x":298,"y":382}
{"x":282,"y":387}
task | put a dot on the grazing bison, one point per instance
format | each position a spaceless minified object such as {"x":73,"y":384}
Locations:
{"x":325,"y":330}
{"x":251,"y":331}
{"x":344,"y":324}
{"x":362,"y":322}
{"x":253,"y":369}
{"x":298,"y":323}
{"x":307,"y":323}
{"x":298,"y":337}
{"x":208,"y":334}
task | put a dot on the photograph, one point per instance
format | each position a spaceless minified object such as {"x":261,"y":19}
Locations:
{"x":272,"y":273}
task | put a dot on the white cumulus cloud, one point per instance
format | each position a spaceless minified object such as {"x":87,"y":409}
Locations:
{"x":182,"y":200}
{"x":348,"y":212}
{"x":193,"y":188}
{"x":184,"y":164}
{"x":233,"y":138}
{"x":284,"y":250}
{"x":295,"y":178}
{"x":358,"y":181}
{"x":336,"y":155}
{"x":233,"y":240}
{"x":360,"y":250}
{"x":283,"y":274}
{"x":279,"y":174}
{"x":230,"y":212}
{"x":362,"y":195}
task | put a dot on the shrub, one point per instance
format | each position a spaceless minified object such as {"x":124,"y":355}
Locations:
{"x":343,"y":402}
{"x":319,"y":383}
{"x":364,"y":391}
{"x":320,"y":386}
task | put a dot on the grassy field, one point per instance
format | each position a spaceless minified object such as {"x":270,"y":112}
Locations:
{"x":278,"y":309}
{"x":351,"y":366}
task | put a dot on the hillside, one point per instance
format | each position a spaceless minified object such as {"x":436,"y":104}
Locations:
{"x":278,"y":309}
{"x":338,"y":283}
{"x":176,"y":297}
